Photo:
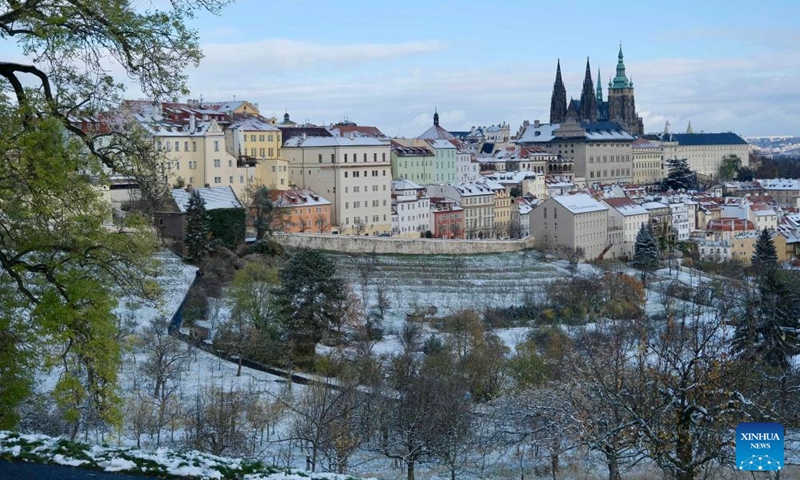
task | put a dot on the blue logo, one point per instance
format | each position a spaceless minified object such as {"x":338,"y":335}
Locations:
{"x":759,"y":446}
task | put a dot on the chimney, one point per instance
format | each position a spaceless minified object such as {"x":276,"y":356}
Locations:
{"x":536,"y":123}
{"x":192,"y":123}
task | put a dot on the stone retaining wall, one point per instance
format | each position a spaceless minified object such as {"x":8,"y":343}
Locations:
{"x":410,"y":246}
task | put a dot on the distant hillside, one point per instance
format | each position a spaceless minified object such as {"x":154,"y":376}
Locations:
{"x":776,"y":145}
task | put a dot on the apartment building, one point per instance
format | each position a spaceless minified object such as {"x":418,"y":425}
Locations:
{"x":411,"y":210}
{"x":625,"y":218}
{"x":572,"y":221}
{"x":354,"y":173}
{"x":254,"y":141}
{"x":412,"y":161}
{"x":648,"y":162}
{"x":478,"y":202}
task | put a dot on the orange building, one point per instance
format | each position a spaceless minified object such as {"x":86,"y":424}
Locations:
{"x":303,"y":211}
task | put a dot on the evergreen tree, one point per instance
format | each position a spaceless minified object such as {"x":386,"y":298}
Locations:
{"x":198,"y":230}
{"x":308,"y":301}
{"x":646,"y":256}
{"x":263,"y":212}
{"x":680,"y":176}
{"x":768,"y":332}
{"x":765,"y":257}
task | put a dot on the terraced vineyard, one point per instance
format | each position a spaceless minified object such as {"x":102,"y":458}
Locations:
{"x":448,"y":282}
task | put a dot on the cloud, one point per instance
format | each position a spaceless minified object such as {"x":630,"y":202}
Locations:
{"x":277,"y":55}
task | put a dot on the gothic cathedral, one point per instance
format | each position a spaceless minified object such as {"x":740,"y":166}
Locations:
{"x":619,"y":108}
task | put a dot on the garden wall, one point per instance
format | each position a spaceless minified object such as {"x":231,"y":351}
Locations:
{"x":410,"y":246}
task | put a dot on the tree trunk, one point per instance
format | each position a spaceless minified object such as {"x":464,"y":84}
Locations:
{"x":410,"y":470}
{"x":613,"y":468}
{"x":554,"y":466}
{"x":239,"y":369}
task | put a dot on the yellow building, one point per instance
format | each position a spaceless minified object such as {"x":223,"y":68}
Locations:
{"x":502,"y":207}
{"x":257,"y":143}
{"x":743,"y":246}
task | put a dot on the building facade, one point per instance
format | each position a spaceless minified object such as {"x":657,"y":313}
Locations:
{"x":572,"y":221}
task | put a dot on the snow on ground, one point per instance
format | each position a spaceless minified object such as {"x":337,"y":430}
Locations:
{"x":174,"y":278}
{"x":162,"y":461}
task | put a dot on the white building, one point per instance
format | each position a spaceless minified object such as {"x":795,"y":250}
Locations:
{"x":680,"y":221}
{"x":468,"y":168}
{"x":572,"y":221}
{"x":625,"y":218}
{"x":354,"y":173}
{"x":411,"y":215}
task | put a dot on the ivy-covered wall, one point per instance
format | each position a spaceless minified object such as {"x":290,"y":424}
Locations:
{"x":227,"y":225}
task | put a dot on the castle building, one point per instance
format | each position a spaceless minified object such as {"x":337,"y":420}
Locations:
{"x":620,"y":106}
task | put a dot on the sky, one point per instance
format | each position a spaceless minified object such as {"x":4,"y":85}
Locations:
{"x":723,"y":65}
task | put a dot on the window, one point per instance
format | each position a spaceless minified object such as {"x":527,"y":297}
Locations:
{"x":186,"y":146}
{"x":374,"y":173}
{"x":355,"y":189}
{"x":345,"y":158}
{"x":271,"y":150}
{"x":269,"y":137}
{"x":345,"y":174}
{"x":178,"y":165}
{"x":216,"y":145}
{"x":320,"y":158}
{"x":241,"y":178}
{"x":383,"y":155}
{"x":365,"y":158}
{"x":374,"y":157}
{"x":346,"y":205}
{"x":217,"y":179}
{"x":356,"y":204}
{"x":333,"y":158}
{"x":261,"y":152}
{"x":253,"y":137}
{"x":356,"y":174}
{"x":384,"y":173}
{"x":194,"y":146}
{"x":261,"y":138}
{"x":169,"y":146}
{"x":177,"y":146}
{"x":191,"y":180}
{"x":230,"y":163}
{"x":230,"y":179}
{"x":216,"y":163}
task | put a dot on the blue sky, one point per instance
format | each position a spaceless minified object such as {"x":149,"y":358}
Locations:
{"x":725,"y":65}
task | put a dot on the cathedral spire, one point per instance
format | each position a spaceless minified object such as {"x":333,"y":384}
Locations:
{"x":689,"y":128}
{"x":588,"y":99}
{"x":620,"y":81}
{"x":599,"y":93}
{"x":435,"y":117}
{"x":558,"y":101}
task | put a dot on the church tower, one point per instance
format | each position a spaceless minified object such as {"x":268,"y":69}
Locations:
{"x":599,"y":94}
{"x":588,"y":99}
{"x":621,"y":104}
{"x":558,"y":102}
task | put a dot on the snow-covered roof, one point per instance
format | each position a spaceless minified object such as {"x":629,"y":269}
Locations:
{"x":436,"y":132}
{"x":253,"y":123}
{"x":512,"y":177}
{"x":215,"y":197}
{"x":297,"y":197}
{"x":334,"y":142}
{"x":403,"y":184}
{"x":580,"y":203}
{"x":538,"y":134}
{"x":625,"y":206}
{"x":780,"y":184}
{"x":653,"y":205}
{"x":441,"y":144}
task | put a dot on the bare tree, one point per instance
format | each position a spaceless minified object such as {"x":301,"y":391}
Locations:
{"x":165,"y":362}
{"x":321,"y":222}
{"x":359,"y":227}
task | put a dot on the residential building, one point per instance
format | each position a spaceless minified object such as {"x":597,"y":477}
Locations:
{"x":760,"y":213}
{"x":743,"y":245}
{"x":411,"y":211}
{"x":786,"y":192}
{"x":502,"y":207}
{"x":679,"y":221}
{"x":521,"y":208}
{"x":444,"y":162}
{"x":661,"y":223}
{"x":447,"y":218}
{"x":526,"y":182}
{"x":255,"y":142}
{"x":597,"y":152}
{"x":353,"y":173}
{"x":625,"y":218}
{"x":412,"y":162}
{"x":716,"y":250}
{"x":478,"y":202}
{"x":572,"y":221}
{"x":303,"y":211}
{"x":467,"y":168}
{"x":724,"y":228}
